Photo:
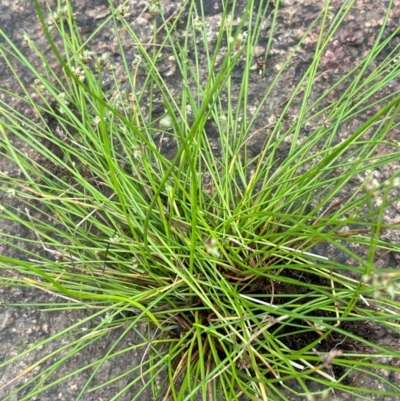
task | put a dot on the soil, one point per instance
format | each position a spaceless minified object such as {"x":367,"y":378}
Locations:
{"x":21,"y":326}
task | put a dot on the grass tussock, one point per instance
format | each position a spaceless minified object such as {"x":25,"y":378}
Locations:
{"x":254,"y":271}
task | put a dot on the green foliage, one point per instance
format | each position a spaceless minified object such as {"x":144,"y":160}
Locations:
{"x":148,"y":218}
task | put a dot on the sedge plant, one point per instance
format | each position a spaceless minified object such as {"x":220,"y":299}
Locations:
{"x":140,"y":186}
